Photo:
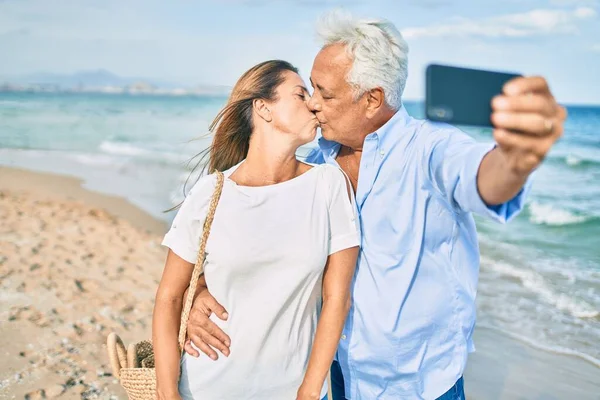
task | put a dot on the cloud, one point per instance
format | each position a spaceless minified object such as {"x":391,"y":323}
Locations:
{"x":431,"y":4}
{"x":307,"y":3}
{"x":532,"y":23}
{"x":571,"y":3}
{"x":596,"y":48}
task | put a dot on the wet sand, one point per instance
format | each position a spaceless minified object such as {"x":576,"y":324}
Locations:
{"x":504,"y":368}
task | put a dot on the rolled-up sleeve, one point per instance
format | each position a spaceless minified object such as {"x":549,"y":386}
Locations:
{"x":454,"y":162}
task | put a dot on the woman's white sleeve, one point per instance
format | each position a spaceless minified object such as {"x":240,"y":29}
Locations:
{"x":183,"y":238}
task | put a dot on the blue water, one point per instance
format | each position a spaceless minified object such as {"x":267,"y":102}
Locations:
{"x":540,"y":274}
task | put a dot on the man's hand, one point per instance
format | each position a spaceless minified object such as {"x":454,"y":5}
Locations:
{"x":204,"y":333}
{"x":527,"y":122}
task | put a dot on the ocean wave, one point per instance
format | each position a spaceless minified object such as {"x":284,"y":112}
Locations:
{"x":535,"y":343}
{"x":547,"y":214}
{"x":93,"y":159}
{"x":15,"y":103}
{"x":535,"y":283}
{"x":123,"y":149}
{"x":577,"y":161}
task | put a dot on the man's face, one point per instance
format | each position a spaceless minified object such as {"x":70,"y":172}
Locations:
{"x":342,"y":119}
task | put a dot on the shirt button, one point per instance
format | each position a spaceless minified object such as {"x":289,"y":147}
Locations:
{"x":343,"y":337}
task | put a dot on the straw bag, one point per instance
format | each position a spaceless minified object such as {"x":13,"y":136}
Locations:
{"x":134,"y":366}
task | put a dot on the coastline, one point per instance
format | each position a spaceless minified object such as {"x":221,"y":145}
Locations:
{"x":63,"y":187}
{"x":63,"y":292}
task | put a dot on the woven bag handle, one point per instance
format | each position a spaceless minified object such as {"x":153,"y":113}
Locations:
{"x":185,"y":314}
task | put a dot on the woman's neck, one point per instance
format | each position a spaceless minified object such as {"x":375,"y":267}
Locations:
{"x":267,"y":164}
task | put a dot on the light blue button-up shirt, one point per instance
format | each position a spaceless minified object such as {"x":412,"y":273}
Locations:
{"x":410,"y":327}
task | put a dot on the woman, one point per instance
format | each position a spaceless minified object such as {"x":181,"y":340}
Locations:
{"x":284,"y":237}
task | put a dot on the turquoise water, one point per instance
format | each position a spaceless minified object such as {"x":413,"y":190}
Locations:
{"x":540,"y":274}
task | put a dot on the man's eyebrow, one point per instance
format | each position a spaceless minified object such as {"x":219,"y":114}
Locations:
{"x":321,"y":88}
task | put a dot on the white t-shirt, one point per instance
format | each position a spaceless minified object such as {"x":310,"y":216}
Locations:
{"x":265,"y":259}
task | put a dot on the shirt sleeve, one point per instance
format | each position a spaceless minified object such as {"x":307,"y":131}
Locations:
{"x":343,"y":221}
{"x":454,"y":159}
{"x":183,"y":238}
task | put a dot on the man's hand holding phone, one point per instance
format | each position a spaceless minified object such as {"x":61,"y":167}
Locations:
{"x":525,"y":117}
{"x":527,"y":122}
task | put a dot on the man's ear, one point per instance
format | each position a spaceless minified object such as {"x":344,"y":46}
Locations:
{"x":262,"y":109}
{"x":375,"y":100}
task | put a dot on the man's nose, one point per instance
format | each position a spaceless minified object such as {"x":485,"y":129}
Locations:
{"x":313,"y":104}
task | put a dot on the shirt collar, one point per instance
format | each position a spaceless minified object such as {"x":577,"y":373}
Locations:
{"x":400,"y":118}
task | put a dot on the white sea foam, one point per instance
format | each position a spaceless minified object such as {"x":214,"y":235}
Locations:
{"x":548,"y":214}
{"x":536,"y":284}
{"x":155,"y":154}
{"x":537,"y":345}
{"x":93,"y":159}
{"x":122,"y":149}
{"x":572,"y":160}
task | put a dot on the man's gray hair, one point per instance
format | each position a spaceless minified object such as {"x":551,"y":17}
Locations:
{"x":377,"y":48}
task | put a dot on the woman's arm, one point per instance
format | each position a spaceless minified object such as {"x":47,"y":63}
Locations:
{"x":336,"y":304}
{"x":165,"y":324}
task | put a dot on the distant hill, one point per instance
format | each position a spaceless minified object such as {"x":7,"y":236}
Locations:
{"x":104,"y":78}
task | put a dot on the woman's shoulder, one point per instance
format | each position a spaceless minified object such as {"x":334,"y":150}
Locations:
{"x":200,"y":194}
{"x":331,"y":173}
{"x":332,"y":178}
{"x":204,"y":186}
{"x":324,"y":168}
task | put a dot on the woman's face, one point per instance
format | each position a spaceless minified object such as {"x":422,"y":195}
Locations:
{"x":290,"y":111}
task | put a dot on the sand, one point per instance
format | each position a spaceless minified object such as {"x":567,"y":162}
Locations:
{"x":504,"y":368}
{"x":76,"y":265}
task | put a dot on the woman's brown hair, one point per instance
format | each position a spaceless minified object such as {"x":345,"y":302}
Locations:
{"x":233,"y":125}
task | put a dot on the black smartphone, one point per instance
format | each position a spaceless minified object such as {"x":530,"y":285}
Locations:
{"x":462,"y":96}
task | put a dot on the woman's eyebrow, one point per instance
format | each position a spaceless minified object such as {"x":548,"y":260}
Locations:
{"x":304,"y":89}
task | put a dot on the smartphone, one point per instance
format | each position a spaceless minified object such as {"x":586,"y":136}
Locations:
{"x":462,"y":96}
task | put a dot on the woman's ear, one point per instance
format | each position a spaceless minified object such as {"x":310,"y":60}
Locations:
{"x":262,"y":109}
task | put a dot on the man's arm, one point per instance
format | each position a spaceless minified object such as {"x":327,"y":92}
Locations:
{"x":527,"y":122}
{"x":201,"y":331}
{"x":493,"y":180}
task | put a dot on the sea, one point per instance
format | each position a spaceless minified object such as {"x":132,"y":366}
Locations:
{"x":540,"y":274}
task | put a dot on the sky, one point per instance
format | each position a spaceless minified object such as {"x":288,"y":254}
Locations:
{"x":214,"y":42}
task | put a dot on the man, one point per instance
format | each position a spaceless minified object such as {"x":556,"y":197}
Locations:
{"x":417,"y":184}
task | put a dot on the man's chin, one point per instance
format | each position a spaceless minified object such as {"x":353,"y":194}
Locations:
{"x":326,"y":133}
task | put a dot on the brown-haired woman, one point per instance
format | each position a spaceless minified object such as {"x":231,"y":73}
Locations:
{"x":284,"y":241}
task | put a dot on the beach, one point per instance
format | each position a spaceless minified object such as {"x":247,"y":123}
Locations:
{"x":76,"y":265}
